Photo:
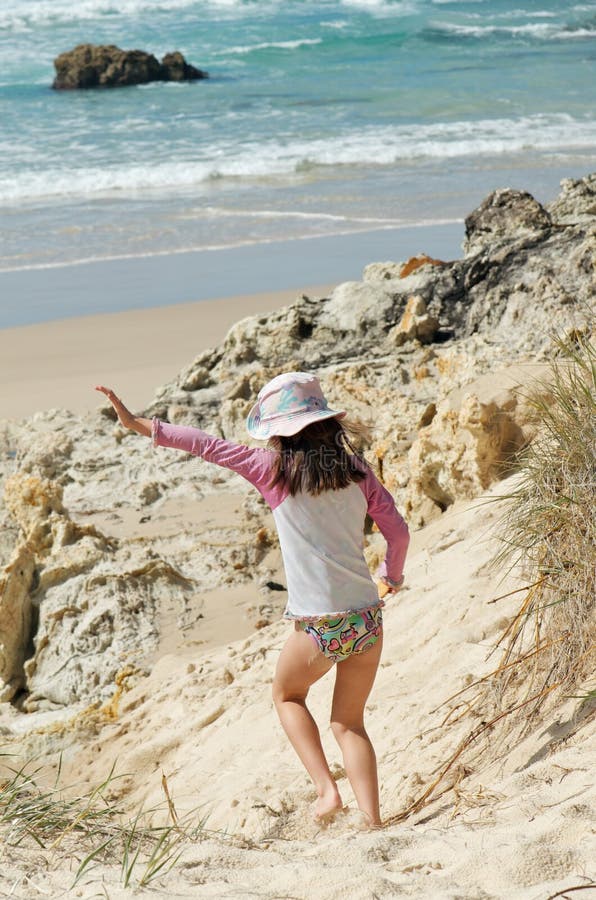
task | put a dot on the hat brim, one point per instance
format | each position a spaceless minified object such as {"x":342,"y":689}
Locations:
{"x":286,"y":426}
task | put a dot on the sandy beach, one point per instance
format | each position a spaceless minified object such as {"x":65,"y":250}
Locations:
{"x":56,"y":364}
{"x":519,"y":828}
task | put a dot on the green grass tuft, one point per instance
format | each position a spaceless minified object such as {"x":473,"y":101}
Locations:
{"x":91,"y":829}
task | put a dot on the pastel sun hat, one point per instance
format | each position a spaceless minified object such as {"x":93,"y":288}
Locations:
{"x":287,"y":404}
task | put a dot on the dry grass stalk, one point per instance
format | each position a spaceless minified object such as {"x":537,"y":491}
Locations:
{"x":590,"y":885}
{"x":170,"y":802}
{"x":470,"y":740}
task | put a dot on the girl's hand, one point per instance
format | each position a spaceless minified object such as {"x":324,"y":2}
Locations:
{"x":387,"y":586}
{"x":125,"y":417}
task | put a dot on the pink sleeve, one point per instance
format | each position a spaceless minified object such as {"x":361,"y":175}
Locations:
{"x":254,"y":464}
{"x":381,"y":509}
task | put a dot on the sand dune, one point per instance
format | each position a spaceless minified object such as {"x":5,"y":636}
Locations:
{"x":521,"y":827}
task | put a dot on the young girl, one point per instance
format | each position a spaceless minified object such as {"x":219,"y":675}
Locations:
{"x":319,"y":490}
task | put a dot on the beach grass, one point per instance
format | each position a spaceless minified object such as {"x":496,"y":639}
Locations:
{"x":547,"y":537}
{"x":91,"y":828}
{"x":549,"y":532}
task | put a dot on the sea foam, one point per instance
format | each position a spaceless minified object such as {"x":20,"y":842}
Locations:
{"x":482,"y":31}
{"x":271,"y":45}
{"x":52,"y":12}
{"x":276,"y":158}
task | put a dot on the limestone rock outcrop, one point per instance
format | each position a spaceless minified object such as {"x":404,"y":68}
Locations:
{"x":73,"y":603}
{"x":470,"y":442}
{"x":504,"y":215}
{"x":16,"y":616}
{"x":105,"y":65}
{"x":512,"y":293}
{"x":577,"y":202}
{"x":405,"y":338}
{"x":415,"y":324}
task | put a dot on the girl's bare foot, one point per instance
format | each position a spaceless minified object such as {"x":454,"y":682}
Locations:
{"x":327,"y":806}
{"x":367,"y":823}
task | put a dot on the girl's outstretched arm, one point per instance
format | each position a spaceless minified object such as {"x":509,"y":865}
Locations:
{"x":126,"y":418}
{"x":253,"y":464}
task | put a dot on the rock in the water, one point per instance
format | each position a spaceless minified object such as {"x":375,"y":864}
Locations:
{"x":175,"y":68}
{"x":104,"y":65}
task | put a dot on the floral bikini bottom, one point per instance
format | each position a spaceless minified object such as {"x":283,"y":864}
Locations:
{"x":338,"y":636}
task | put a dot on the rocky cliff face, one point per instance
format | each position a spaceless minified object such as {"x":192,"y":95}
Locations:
{"x":428,"y":353}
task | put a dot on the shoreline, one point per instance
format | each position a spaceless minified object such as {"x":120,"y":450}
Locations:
{"x":129,"y":335}
{"x":59,"y":292}
{"x":222,"y":248}
{"x":56,"y":364}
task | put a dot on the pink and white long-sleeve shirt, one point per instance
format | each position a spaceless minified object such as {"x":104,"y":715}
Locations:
{"x":321,"y":537}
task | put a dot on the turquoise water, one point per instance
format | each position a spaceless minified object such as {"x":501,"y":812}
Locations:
{"x":319,"y":118}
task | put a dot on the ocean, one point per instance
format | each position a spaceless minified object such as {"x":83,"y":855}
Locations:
{"x":319,"y":119}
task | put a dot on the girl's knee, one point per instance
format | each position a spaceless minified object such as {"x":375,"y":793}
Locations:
{"x":282,"y":693}
{"x":341,"y":728}
{"x":338,"y":729}
{"x":277,"y":693}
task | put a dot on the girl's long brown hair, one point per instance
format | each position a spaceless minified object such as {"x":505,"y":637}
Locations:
{"x":321,"y":457}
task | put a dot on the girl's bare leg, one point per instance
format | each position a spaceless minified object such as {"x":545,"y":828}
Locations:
{"x":301,"y":664}
{"x":353,"y":682}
